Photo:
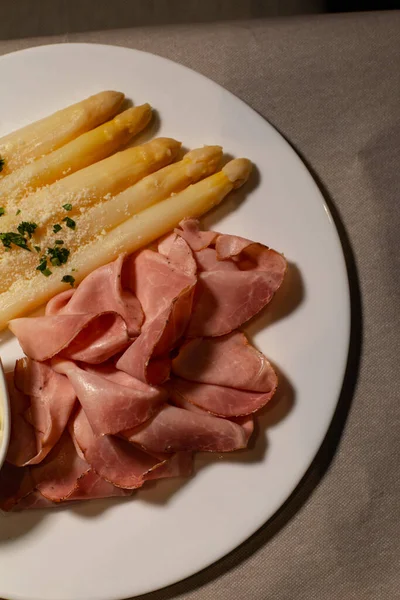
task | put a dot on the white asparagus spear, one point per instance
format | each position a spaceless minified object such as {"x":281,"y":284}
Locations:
{"x":158,"y":186}
{"x":31,"y":142}
{"x":81,"y":152}
{"x":136,"y":232}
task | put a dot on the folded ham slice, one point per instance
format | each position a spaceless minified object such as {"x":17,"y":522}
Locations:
{"x":189,"y":230}
{"x":216,"y":399}
{"x":166,"y":296}
{"x":91,"y":323}
{"x":174,"y":429}
{"x":226,"y":361}
{"x":56,"y":478}
{"x":87,"y":337}
{"x":101,"y":292}
{"x":109,"y":405}
{"x":178,"y":253}
{"x":227,"y":297}
{"x":115,"y":460}
{"x":42,"y":402}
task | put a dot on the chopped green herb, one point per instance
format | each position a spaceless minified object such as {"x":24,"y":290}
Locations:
{"x":59,"y":242}
{"x":56,"y":228}
{"x":59,"y":256}
{"x":13,"y":238}
{"x":27,"y":227}
{"x":69,"y":222}
{"x":67,"y":207}
{"x":2,"y":163}
{"x":37,"y":248}
{"x":47,"y":272}
{"x":18,"y":212}
{"x":42,"y":265}
{"x":2,"y":211}
{"x":68,"y":279}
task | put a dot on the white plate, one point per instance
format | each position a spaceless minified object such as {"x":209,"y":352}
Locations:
{"x":115,"y":549}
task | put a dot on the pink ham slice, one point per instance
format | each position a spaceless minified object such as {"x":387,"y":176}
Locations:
{"x":207,"y":260}
{"x":178,"y":253}
{"x":41,"y":403}
{"x":91,"y":486}
{"x":175,"y":430}
{"x":179,"y":465}
{"x":225,"y":300}
{"x":155,"y":281}
{"x":101,"y":292}
{"x":88,"y":337}
{"x":228,"y":361}
{"x":56,"y":478}
{"x":166,"y":296}
{"x":22,"y":447}
{"x":247,"y":422}
{"x":111,"y":406}
{"x":189,"y":230}
{"x":34,"y":500}
{"x":111,"y":458}
{"x":218,"y":400}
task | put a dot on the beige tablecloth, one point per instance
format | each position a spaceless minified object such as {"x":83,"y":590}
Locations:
{"x":331,"y":85}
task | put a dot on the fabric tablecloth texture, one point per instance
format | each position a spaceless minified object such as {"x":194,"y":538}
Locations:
{"x":331,"y":85}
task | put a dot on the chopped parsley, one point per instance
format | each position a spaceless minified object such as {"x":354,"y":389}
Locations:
{"x":68,"y":279}
{"x":18,"y":212}
{"x":43,"y":267}
{"x":2,"y":163}
{"x":67,"y":207}
{"x":14,"y":238}
{"x":59,"y":242}
{"x":37,"y":248}
{"x":56,"y":228}
{"x":58,"y":256}
{"x":69,"y":222}
{"x":27,"y":227}
{"x":2,"y":211}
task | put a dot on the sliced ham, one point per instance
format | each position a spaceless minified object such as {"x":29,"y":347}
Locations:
{"x":91,"y":486}
{"x":56,"y":478}
{"x":115,"y":460}
{"x":178,"y":253}
{"x":247,"y":421}
{"x":225,"y":300}
{"x":207,"y":260}
{"x":34,"y":500}
{"x":110,"y":406}
{"x":158,"y":336}
{"x":175,"y":430}
{"x":228,"y":361}
{"x":155,"y":282}
{"x":218,"y":400}
{"x":88,"y":337}
{"x":41,"y":404}
{"x":167,"y":311}
{"x":189,"y":230}
{"x":22,"y":447}
{"x":138,"y":368}
{"x":101,"y":292}
{"x":179,"y":465}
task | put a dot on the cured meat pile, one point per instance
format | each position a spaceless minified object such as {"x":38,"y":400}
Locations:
{"x":138,"y":368}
